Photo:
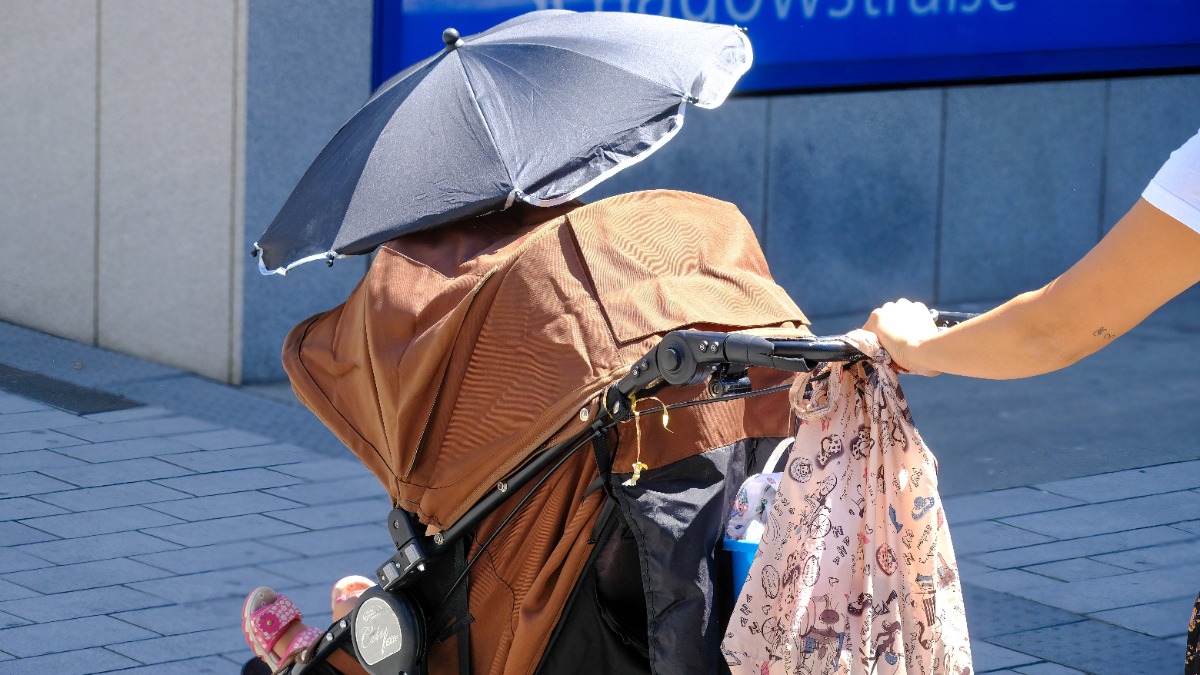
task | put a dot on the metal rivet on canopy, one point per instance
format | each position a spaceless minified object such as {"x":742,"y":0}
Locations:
{"x":451,"y":38}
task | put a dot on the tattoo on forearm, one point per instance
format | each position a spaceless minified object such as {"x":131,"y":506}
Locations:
{"x":1103,"y":332}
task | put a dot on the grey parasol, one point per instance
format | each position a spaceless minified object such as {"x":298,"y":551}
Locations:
{"x":537,"y":109}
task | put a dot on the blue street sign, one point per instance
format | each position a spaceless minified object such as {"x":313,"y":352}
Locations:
{"x":819,"y":44}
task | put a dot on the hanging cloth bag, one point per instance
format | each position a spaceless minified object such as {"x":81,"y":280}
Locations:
{"x":855,"y":573}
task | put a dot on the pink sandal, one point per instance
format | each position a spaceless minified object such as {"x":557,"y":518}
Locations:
{"x":265,"y":617}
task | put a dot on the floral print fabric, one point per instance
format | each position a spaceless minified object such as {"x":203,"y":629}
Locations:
{"x":855,"y":572}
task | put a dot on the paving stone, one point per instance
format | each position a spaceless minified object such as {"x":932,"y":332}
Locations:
{"x":1078,"y":548}
{"x":1047,"y":668}
{"x":13,"y":560}
{"x":222,"y":530}
{"x":986,"y":536}
{"x":112,"y":451}
{"x":1017,"y":582}
{"x":12,"y":403}
{"x":190,"y":617}
{"x":79,"y":576}
{"x":325,"y":542}
{"x":259,"y":456}
{"x":324,"y":470}
{"x":112,"y":496}
{"x":1180,"y":554}
{"x":332,"y":492}
{"x":24,"y":507}
{"x":991,"y":613}
{"x":69,"y":635}
{"x":229,"y":481}
{"x":337,"y":515}
{"x":205,"y":665}
{"x":220,"y":506}
{"x":1095,"y":647}
{"x":1001,"y":503}
{"x":126,"y":471}
{"x":37,"y":460}
{"x":144,"y":412}
{"x":1106,"y":517}
{"x":1107,"y":487}
{"x":1096,"y":595}
{"x":42,"y":419}
{"x":1077,"y":569}
{"x":36,"y":439}
{"x":15,"y":534}
{"x":988,"y":657}
{"x":215,"y":557}
{"x":75,"y":604}
{"x":1166,"y":619}
{"x":11,"y":591}
{"x":235,"y":582}
{"x":103,"y":521}
{"x":163,"y":426}
{"x":327,"y":569}
{"x":81,"y":662}
{"x":174,"y":647}
{"x":1192,"y":526}
{"x":98,"y":547}
{"x":221,"y":439}
{"x":10,"y":621}
{"x":32,"y":483}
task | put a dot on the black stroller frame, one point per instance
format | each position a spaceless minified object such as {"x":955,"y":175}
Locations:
{"x":388,"y":632}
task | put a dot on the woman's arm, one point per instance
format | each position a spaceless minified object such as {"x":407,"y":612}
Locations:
{"x":1144,"y":261}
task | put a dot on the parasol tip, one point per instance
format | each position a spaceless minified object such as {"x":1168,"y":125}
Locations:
{"x":451,"y":38}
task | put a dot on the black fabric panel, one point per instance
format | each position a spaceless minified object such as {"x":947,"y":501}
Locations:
{"x":677,"y":514}
{"x":603,"y":629}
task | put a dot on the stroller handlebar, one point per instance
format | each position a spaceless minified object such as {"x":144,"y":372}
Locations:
{"x":688,"y":357}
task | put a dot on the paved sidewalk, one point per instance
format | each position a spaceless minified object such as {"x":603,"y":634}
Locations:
{"x":128,"y":538}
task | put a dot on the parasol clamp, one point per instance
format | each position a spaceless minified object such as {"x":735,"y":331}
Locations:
{"x":451,"y":38}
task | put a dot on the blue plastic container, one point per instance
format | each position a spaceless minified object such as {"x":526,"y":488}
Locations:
{"x":742,"y":554}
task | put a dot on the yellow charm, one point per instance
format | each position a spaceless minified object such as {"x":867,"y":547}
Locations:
{"x":638,"y":467}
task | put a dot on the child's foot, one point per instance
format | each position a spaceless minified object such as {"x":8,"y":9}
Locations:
{"x":345,"y":594}
{"x":272,"y":627}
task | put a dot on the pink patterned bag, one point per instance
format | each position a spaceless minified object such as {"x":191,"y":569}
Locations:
{"x":855,"y":572}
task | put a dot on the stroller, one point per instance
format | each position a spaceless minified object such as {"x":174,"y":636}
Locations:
{"x":562,"y":404}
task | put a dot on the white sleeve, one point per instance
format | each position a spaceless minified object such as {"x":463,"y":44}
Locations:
{"x":1175,"y":190}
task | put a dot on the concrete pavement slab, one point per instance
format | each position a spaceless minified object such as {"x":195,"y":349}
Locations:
{"x":76,"y":604}
{"x":112,"y":473}
{"x":80,"y":662}
{"x":97,"y":547}
{"x":1086,"y":546}
{"x":111,"y":496}
{"x":1001,"y":503}
{"x":215,"y":557}
{"x":69,"y":635}
{"x":110,"y":451}
{"x":19,"y":508}
{"x":15,"y":534}
{"x":1126,"y":514}
{"x":1098,"y":648}
{"x":176,"y":647}
{"x":1117,"y":485}
{"x":224,"y":482}
{"x":1166,"y":619}
{"x":1077,"y":569}
{"x":36,"y":439}
{"x":102,"y":521}
{"x":100,"y":573}
{"x":991,"y":613}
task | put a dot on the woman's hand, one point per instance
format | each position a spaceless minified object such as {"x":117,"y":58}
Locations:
{"x":902,"y":326}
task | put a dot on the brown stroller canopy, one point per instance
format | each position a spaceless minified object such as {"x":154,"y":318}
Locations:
{"x":466,"y":349}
